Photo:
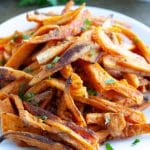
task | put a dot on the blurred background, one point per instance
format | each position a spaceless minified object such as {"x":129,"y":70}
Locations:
{"x":138,"y":9}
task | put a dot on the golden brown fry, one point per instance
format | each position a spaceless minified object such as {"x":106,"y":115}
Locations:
{"x":135,"y":129}
{"x":20,"y":55}
{"x":9,"y":74}
{"x":102,"y":135}
{"x":96,"y":118}
{"x":32,"y":67}
{"x":132,"y":79}
{"x":6,"y":106}
{"x":107,"y":45}
{"x":3,"y":95}
{"x":102,"y":81}
{"x":15,"y":87}
{"x":18,"y":103}
{"x":68,"y":6}
{"x":71,"y":55}
{"x":64,"y":18}
{"x":54,"y":127}
{"x":117,"y":98}
{"x":144,"y":50}
{"x":123,"y":64}
{"x":52,"y":52}
{"x":116,"y":123}
{"x":34,"y":140}
{"x":131,"y":115}
{"x":71,"y":29}
{"x":13,"y":122}
{"x":72,"y":107}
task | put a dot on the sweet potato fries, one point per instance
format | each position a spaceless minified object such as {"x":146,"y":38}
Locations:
{"x":73,"y":82}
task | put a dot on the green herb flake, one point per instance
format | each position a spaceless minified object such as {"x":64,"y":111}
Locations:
{"x":43,"y":117}
{"x":31,"y":33}
{"x":49,"y":66}
{"x":56,"y":59}
{"x":92,"y":52}
{"x":135,"y":39}
{"x":109,"y":81}
{"x":25,"y":36}
{"x":92,"y":92}
{"x":87,"y":24}
{"x":30,"y":95}
{"x":14,"y":38}
{"x":28,"y":70}
{"x":49,"y":78}
{"x":135,"y":142}
{"x":108,"y":146}
{"x":2,"y":62}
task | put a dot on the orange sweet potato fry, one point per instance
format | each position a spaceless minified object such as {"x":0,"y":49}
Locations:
{"x":102,"y":81}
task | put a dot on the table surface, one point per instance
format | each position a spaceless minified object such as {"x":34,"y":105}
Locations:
{"x":134,"y":8}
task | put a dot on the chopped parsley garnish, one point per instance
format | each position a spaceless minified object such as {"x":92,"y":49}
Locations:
{"x":107,"y":119}
{"x":25,"y":36}
{"x":28,"y":70}
{"x":14,"y":38}
{"x":108,"y":146}
{"x":109,"y":81}
{"x":87,"y":24}
{"x":43,"y":117}
{"x":135,"y":39}
{"x":32,"y":33}
{"x":49,"y":66}
{"x":92,"y":92}
{"x":2,"y":62}
{"x":135,"y":142}
{"x":55,"y":60}
{"x":49,"y":78}
{"x":30,"y":95}
{"x":92,"y":52}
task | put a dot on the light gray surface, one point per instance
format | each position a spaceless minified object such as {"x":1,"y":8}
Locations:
{"x":133,"y":8}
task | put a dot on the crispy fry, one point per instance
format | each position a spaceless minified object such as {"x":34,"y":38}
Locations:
{"x":74,"y":53}
{"x":99,"y":77}
{"x":64,"y":18}
{"x":68,"y":6}
{"x":70,"y":29}
{"x":131,"y":115}
{"x":116,"y":124}
{"x":20,"y":55}
{"x":6,"y":106}
{"x":140,"y":44}
{"x":9,"y":74}
{"x":126,"y":65}
{"x":15,"y":87}
{"x":102,"y":135}
{"x":34,"y":140}
{"x":72,"y":107}
{"x":136,"y":129}
{"x":50,"y":53}
{"x":77,"y":140}
{"x":132,"y":79}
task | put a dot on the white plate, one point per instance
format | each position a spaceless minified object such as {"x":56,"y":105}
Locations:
{"x":20,"y":23}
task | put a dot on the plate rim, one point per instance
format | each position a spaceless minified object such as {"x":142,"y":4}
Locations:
{"x":133,"y":20}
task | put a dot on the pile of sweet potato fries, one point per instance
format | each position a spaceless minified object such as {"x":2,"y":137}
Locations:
{"x":73,"y":82}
